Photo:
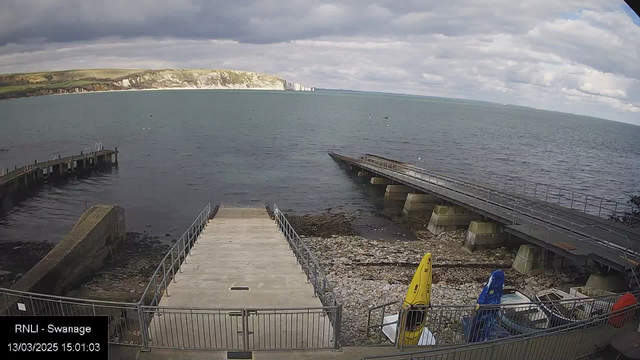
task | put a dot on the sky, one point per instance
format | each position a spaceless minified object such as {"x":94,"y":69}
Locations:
{"x":580,"y":57}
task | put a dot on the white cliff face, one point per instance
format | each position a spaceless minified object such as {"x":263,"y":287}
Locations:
{"x":297,"y":87}
{"x":201,"y":79}
{"x":137,"y":79}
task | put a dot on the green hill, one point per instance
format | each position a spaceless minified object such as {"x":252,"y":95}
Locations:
{"x":86,"y":80}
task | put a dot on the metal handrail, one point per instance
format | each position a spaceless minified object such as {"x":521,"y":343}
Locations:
{"x":439,"y":180}
{"x":26,"y":169}
{"x":315,"y":275}
{"x":620,"y":208}
{"x":10,"y":292}
{"x":597,"y":321}
{"x":513,"y":181}
{"x":310,"y":265}
{"x":182,"y":248}
{"x":596,"y":303}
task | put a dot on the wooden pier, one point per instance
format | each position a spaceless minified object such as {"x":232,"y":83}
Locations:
{"x":22,"y":179}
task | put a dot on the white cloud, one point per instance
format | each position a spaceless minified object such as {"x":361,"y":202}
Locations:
{"x":564,"y":56}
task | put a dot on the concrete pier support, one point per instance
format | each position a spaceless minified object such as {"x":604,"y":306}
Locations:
{"x":530,"y":260}
{"x":380,"y":181}
{"x":364,"y":174}
{"x":446,"y":218}
{"x":419,"y":204}
{"x":484,"y":235}
{"x":613,"y":282}
{"x":397,"y":192}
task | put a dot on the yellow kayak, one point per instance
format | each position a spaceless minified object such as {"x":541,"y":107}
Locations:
{"x":419,"y":294}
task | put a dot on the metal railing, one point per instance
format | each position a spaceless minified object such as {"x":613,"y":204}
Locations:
{"x":242,"y":329}
{"x":576,"y":200}
{"x":534,"y":219}
{"x":322,"y":287}
{"x":458,"y":324}
{"x":148,"y":325}
{"x":44,"y":166}
{"x":570,"y":341}
{"x":307,"y":260}
{"x":124,"y":318}
{"x":171,"y":263}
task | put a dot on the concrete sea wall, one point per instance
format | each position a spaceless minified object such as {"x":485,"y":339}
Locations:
{"x":98,"y":232}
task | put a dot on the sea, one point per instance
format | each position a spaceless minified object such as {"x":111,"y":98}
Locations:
{"x":181,"y":149}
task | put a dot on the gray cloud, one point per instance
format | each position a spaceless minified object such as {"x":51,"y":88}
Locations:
{"x":260,"y":21}
{"x":565,"y":56}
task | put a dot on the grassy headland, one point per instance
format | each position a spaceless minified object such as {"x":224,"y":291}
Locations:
{"x":85,"y":80}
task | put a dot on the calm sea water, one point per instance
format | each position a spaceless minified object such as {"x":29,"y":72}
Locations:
{"x":245,"y":147}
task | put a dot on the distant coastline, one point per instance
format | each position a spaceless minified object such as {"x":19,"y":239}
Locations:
{"x":103,"y":80}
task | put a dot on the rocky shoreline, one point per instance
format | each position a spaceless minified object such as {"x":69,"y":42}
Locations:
{"x":369,"y":272}
{"x":122,"y":277}
{"x":17,"y":257}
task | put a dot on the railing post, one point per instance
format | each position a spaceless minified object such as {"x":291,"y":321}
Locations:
{"x":143,"y":328}
{"x":181,"y":241}
{"x":155,"y":287}
{"x":600,"y":207}
{"x":586,"y":200}
{"x":337,"y":325}
{"x":164,"y":279}
{"x":245,"y":329}
{"x":546,"y":195}
{"x":572,"y":193}
{"x":400,"y":328}
{"x":173,"y":269}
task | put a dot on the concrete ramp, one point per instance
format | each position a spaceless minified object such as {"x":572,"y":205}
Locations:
{"x":242,"y":265}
